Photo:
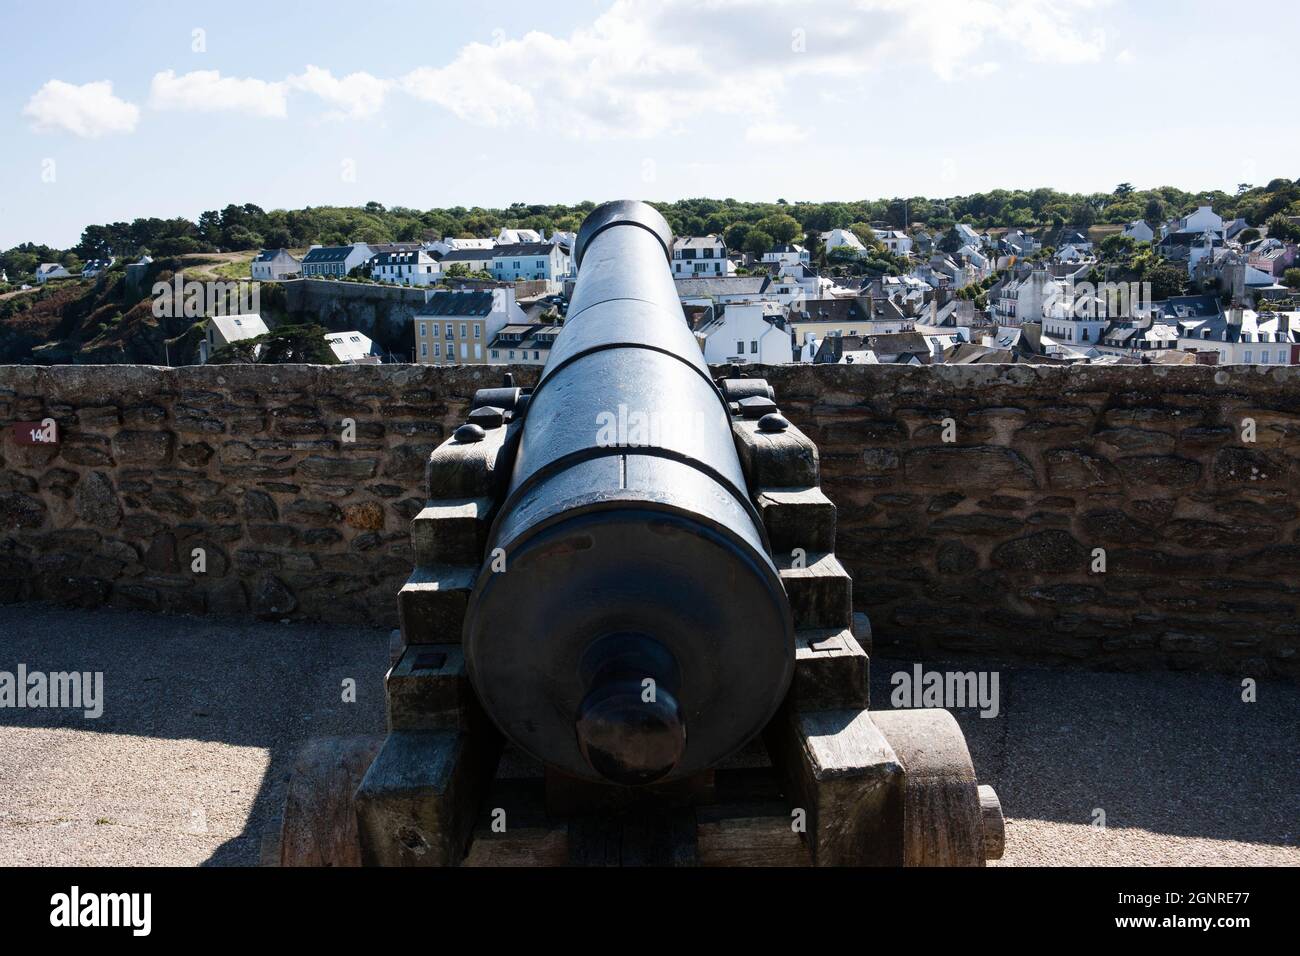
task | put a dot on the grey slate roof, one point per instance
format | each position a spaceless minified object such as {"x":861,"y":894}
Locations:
{"x":522,"y":249}
{"x":328,"y":254}
{"x":457,"y":304}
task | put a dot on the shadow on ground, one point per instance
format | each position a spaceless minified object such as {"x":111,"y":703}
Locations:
{"x":203,"y":718}
{"x":212,"y":712}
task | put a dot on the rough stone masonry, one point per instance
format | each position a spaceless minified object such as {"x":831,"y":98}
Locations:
{"x":973,"y":501}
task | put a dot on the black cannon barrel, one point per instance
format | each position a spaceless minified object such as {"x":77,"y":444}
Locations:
{"x":639,"y":630}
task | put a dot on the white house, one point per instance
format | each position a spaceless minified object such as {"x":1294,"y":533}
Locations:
{"x":531,"y":260}
{"x":1072,"y":253}
{"x":1204,"y":219}
{"x":787,"y":254}
{"x":224,"y":329}
{"x":523,"y":344}
{"x":967,"y":236}
{"x":1024,"y":300}
{"x":51,"y":270}
{"x":1245,"y":337}
{"x":512,"y":237}
{"x":972,"y":256}
{"x":95,"y":267}
{"x":837,"y":238}
{"x":798,"y":282}
{"x":406,"y":268}
{"x":352,"y":348}
{"x":1139,"y":230}
{"x":452,"y":244}
{"x":335,"y":261}
{"x":701,"y":256}
{"x":455,"y":327}
{"x":272,"y":265}
{"x":896,"y":241}
{"x":474,"y":259}
{"x":748,"y":333}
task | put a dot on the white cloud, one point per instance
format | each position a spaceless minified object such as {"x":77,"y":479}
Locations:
{"x":89,"y":110}
{"x":354,"y":96}
{"x":208,"y":91}
{"x":1126,"y":57}
{"x":646,"y":67}
{"x":775,"y":134}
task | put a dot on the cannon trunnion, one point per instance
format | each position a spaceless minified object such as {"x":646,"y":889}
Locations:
{"x":627,"y":574}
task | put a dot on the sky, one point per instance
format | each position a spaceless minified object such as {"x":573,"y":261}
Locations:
{"x":111,"y":111}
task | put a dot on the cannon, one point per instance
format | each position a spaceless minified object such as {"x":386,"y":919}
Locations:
{"x":627,"y":638}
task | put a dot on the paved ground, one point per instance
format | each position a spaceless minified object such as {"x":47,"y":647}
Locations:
{"x":203,"y":717}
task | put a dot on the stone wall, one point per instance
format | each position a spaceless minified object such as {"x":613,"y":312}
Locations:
{"x":247,"y":463}
{"x":985,"y":543}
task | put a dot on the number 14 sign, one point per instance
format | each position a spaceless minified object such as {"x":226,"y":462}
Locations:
{"x":44,"y":432}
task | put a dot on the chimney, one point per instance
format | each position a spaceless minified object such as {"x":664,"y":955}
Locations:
{"x":1235,"y":315}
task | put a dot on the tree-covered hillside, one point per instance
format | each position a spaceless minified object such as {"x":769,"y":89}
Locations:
{"x":746,"y":224}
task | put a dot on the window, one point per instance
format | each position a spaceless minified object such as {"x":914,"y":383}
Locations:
{"x":422,"y":330}
{"x":424,"y":349}
{"x":512,"y":355}
{"x":753,"y":346}
{"x":464,"y":350}
{"x":536,"y":354}
{"x":541,"y":263}
{"x":478,"y":351}
{"x":478,"y":331}
{"x":1263,"y":356}
{"x":448,"y":335}
{"x":496,"y":353}
{"x":462,"y":330}
{"x":1248,"y":356}
{"x":437,"y":350}
{"x":740,"y":348}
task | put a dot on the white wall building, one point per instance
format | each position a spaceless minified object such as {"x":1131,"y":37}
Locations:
{"x":336,"y":261}
{"x":787,"y":254}
{"x":1139,"y":230}
{"x":224,"y":329}
{"x":837,"y":238}
{"x":896,"y":241}
{"x":531,"y":260}
{"x":749,"y":333}
{"x":1204,"y":219}
{"x":271,"y":265}
{"x":352,"y":348}
{"x":406,"y":268}
{"x":51,"y":270}
{"x":696,"y":256}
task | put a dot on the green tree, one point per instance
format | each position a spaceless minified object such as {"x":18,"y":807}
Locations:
{"x":758,"y":242}
{"x":1291,"y":279}
{"x":782,"y":228}
{"x":288,"y":344}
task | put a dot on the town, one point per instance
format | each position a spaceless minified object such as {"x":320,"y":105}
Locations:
{"x":1186,"y":288}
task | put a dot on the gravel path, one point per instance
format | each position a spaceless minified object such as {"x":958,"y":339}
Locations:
{"x":203,"y":717}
